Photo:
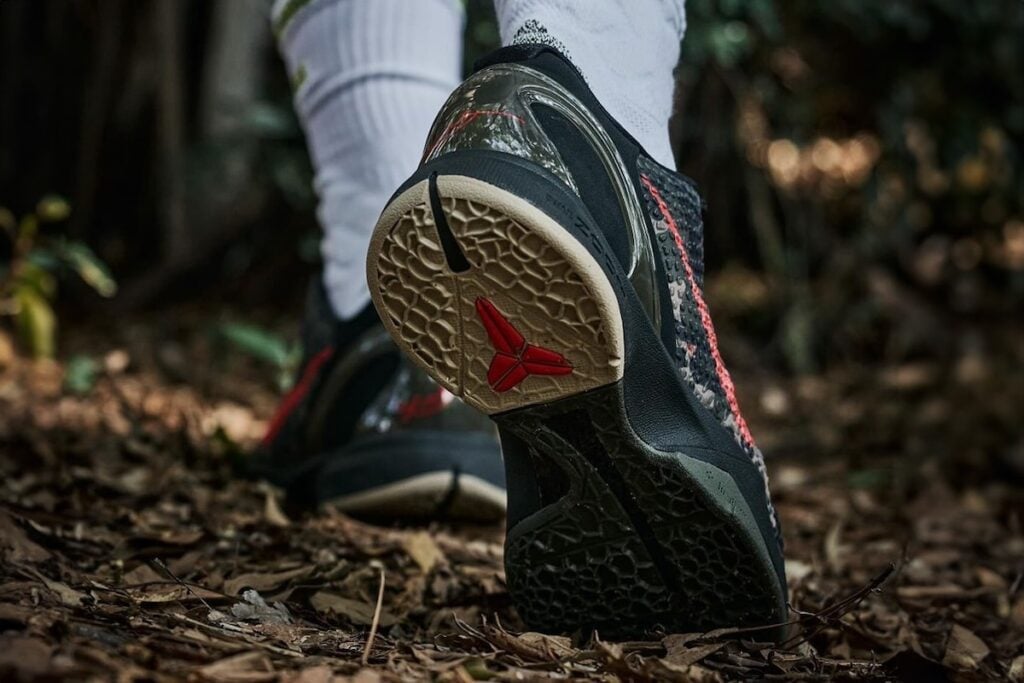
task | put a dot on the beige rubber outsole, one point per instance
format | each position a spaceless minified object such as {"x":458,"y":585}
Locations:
{"x":533,"y":272}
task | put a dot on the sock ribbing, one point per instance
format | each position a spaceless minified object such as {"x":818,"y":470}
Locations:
{"x":627,"y":52}
{"x":368,"y":85}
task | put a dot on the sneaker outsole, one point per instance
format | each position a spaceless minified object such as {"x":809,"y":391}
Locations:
{"x":521,"y":261}
{"x":642,"y":539}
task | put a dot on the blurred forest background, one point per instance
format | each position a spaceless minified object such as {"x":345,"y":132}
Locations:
{"x":863,"y":165}
{"x":862,"y":162}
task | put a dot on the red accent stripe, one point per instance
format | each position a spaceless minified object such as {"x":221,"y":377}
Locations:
{"x":294,"y":397}
{"x":422,"y":406}
{"x":705,"y":316}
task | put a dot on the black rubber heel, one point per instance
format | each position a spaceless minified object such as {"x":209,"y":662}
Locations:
{"x":642,"y":541}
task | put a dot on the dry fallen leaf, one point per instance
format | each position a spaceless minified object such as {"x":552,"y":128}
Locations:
{"x":421,"y":547}
{"x":1016,"y":673}
{"x":263,"y":582}
{"x":31,"y":656}
{"x":833,"y":546}
{"x":558,"y":646}
{"x":67,"y":595}
{"x":989,"y":578}
{"x":248,"y":667}
{"x":169,"y":536}
{"x":797,"y":571}
{"x":314,"y":674}
{"x":15,"y":543}
{"x":1017,"y":612}
{"x":356,"y":611}
{"x":938,"y":592}
{"x":273,"y":513}
{"x":964,"y":649}
{"x":103,"y":486}
{"x":6,"y":350}
{"x":680,"y":653}
{"x":12,"y":615}
{"x":170,"y":592}
{"x":140,"y":575}
{"x":254,"y":608}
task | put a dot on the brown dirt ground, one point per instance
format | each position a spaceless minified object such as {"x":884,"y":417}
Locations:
{"x":131,"y":551}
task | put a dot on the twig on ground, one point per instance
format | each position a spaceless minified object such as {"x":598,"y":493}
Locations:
{"x":835,"y":611}
{"x":376,"y":618}
{"x":167,"y":570}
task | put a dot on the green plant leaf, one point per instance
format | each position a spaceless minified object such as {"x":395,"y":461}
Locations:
{"x":869,"y":478}
{"x":80,"y":374}
{"x":53,"y":208}
{"x":43,"y":259}
{"x":260,"y":344}
{"x":269,"y":121}
{"x":730,"y":42}
{"x":36,"y":322}
{"x":37,"y":277}
{"x":89,"y":267}
{"x":27,"y":228}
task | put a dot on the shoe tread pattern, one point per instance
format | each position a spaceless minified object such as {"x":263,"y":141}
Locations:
{"x":665,"y":550}
{"x":525,"y":275}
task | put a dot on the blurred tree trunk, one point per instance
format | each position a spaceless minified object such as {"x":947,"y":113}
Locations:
{"x":100,"y":85}
{"x":233,"y":76}
{"x":231,"y":88}
{"x":210,"y":207}
{"x":171,"y":128}
{"x":12,"y":21}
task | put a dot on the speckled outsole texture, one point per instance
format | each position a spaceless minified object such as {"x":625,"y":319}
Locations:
{"x":605,"y":531}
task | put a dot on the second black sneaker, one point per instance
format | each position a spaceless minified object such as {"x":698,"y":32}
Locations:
{"x":543,"y":268}
{"x":365,"y":430}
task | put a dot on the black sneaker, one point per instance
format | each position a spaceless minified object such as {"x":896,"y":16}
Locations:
{"x":369,"y":433}
{"x":543,"y":268}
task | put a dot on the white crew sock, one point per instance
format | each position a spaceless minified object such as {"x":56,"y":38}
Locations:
{"x":626,"y":50}
{"x":372,"y":75}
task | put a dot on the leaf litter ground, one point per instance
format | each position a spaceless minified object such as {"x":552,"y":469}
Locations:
{"x":131,"y":551}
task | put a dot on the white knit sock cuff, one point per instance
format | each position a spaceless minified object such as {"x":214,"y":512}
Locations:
{"x":626,"y":50}
{"x":369,"y":77}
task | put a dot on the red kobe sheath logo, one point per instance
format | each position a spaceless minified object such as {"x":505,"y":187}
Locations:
{"x":515,"y":360}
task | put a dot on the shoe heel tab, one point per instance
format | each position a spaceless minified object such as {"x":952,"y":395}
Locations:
{"x":522,"y":53}
{"x":510,"y":53}
{"x":554,"y":64}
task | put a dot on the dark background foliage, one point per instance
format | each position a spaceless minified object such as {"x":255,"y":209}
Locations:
{"x":861,"y":161}
{"x":862,"y":166}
